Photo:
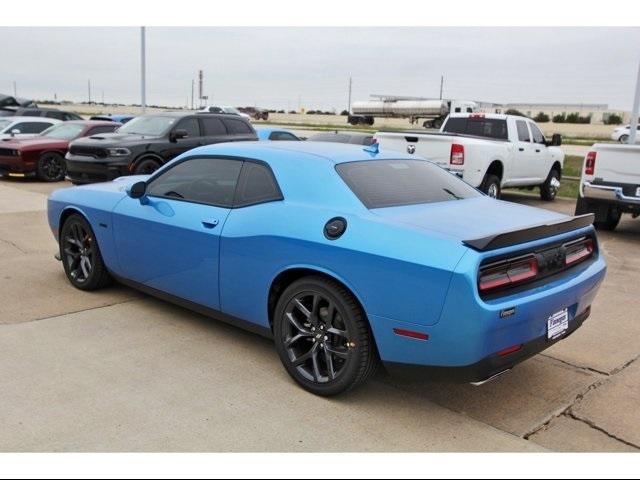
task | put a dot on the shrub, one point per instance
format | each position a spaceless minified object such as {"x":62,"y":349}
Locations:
{"x":344,"y":113}
{"x":513,"y":111}
{"x":541,"y":117}
{"x":562,"y":118}
{"x":613,"y":119}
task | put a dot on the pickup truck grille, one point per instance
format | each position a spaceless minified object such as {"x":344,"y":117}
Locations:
{"x":95,"y":152}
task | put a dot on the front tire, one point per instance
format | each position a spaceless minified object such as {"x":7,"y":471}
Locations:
{"x":80,"y":254}
{"x":322,"y":337}
{"x":146,"y":166}
{"x":51,"y":167}
{"x":491,"y":186}
{"x":549,"y":189}
{"x":623,"y":138}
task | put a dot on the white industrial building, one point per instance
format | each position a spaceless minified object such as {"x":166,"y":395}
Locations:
{"x":599,"y":112}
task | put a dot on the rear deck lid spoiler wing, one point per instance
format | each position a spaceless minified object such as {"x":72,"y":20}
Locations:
{"x":529,"y":234}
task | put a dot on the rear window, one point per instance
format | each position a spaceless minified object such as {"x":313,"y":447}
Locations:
{"x":237,"y":126}
{"x":479,"y":127}
{"x":392,"y":183}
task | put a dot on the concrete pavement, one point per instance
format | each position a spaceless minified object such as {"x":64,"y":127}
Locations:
{"x":118,"y":371}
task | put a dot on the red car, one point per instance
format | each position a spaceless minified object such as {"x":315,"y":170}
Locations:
{"x":43,"y":156}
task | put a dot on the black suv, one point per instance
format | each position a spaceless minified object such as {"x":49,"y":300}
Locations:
{"x":147,"y":142}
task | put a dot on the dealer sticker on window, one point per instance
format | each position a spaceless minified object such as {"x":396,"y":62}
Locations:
{"x":557,"y":324}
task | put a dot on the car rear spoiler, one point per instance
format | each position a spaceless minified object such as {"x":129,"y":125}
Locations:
{"x":529,"y":234}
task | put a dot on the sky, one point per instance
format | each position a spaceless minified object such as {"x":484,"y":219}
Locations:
{"x":309,"y":67}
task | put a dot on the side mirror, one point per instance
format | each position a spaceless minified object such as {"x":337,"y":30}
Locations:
{"x":15,"y":131}
{"x":556,"y":140}
{"x":138,"y":190}
{"x":178,"y":134}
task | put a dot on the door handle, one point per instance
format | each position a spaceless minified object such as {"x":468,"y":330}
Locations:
{"x":537,"y":150}
{"x":210,"y":223}
{"x":521,"y":149}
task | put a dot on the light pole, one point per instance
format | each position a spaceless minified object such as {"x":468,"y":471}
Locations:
{"x":143,"y":70}
{"x":635,"y":111}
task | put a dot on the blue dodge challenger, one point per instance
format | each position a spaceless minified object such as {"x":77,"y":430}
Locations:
{"x":347,"y":257}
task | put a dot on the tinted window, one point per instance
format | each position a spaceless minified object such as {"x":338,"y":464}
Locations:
{"x":523,"y":131}
{"x":358,"y":140}
{"x":149,"y":125}
{"x":537,"y":134}
{"x":257,"y":185}
{"x":480,"y":126}
{"x":203,"y":180}
{"x":213,"y":126}
{"x":31,"y":127}
{"x":286,"y":136}
{"x":237,"y":126}
{"x":190,"y":125}
{"x":102,"y":129}
{"x":30,"y":113}
{"x":57,"y":115}
{"x":390,"y":183}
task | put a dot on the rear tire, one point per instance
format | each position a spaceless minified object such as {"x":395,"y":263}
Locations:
{"x":146,"y":166}
{"x":323,"y":338}
{"x":80,"y":254}
{"x":610,"y":221}
{"x":491,"y":185}
{"x":548,"y":190}
{"x":51,"y":167}
{"x":623,"y":138}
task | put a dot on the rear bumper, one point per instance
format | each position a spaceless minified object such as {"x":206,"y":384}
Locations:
{"x":610,"y":193}
{"x":86,"y":171}
{"x":488,"y":367}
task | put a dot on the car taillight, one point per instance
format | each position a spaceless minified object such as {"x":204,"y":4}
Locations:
{"x":578,"y":252}
{"x":590,"y":163}
{"x":457,"y":154}
{"x":507,"y":273}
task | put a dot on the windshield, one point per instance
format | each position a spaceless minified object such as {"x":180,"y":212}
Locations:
{"x":231,"y":110}
{"x":4,"y":124}
{"x":64,"y":131}
{"x":153,"y":125}
{"x":393,"y":183}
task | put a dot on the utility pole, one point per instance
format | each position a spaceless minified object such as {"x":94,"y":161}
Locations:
{"x":89,"y":87}
{"x":441,"y":85}
{"x":200,"y":86}
{"x":349,"y":104}
{"x":635,"y":111}
{"x":143,"y":70}
{"x":192,"y":89}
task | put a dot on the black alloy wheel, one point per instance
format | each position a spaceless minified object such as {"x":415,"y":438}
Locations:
{"x":51,"y":167}
{"x":146,"y":167}
{"x":322,"y":337}
{"x":81,"y":256}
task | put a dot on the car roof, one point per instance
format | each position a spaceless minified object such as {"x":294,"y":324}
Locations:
{"x":351,"y":134}
{"x":21,"y":118}
{"x":90,"y":123}
{"x":332,"y":152}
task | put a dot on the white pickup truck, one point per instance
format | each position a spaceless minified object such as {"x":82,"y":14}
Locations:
{"x":488,"y":151}
{"x":610,"y":184}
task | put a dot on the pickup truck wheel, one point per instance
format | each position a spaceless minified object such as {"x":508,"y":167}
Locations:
{"x":437,"y":123}
{"x":583,"y":207}
{"x":623,"y":138}
{"x":146,"y":167}
{"x":549,"y":189}
{"x":491,"y":185}
{"x":610,"y":221}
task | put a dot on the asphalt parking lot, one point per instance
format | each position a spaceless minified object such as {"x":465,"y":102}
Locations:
{"x":118,"y":371}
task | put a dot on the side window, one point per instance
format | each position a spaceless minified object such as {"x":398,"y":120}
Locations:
{"x":31,"y":127}
{"x":257,"y":185}
{"x":211,"y":181}
{"x":30,"y":113}
{"x":237,"y":126}
{"x":523,"y":131}
{"x":284,"y":136}
{"x":190,"y":125}
{"x":536,"y":133}
{"x":213,"y":127}
{"x":57,"y":115}
{"x":101,"y":129}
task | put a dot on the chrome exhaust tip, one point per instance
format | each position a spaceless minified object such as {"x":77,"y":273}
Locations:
{"x":490,"y":379}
